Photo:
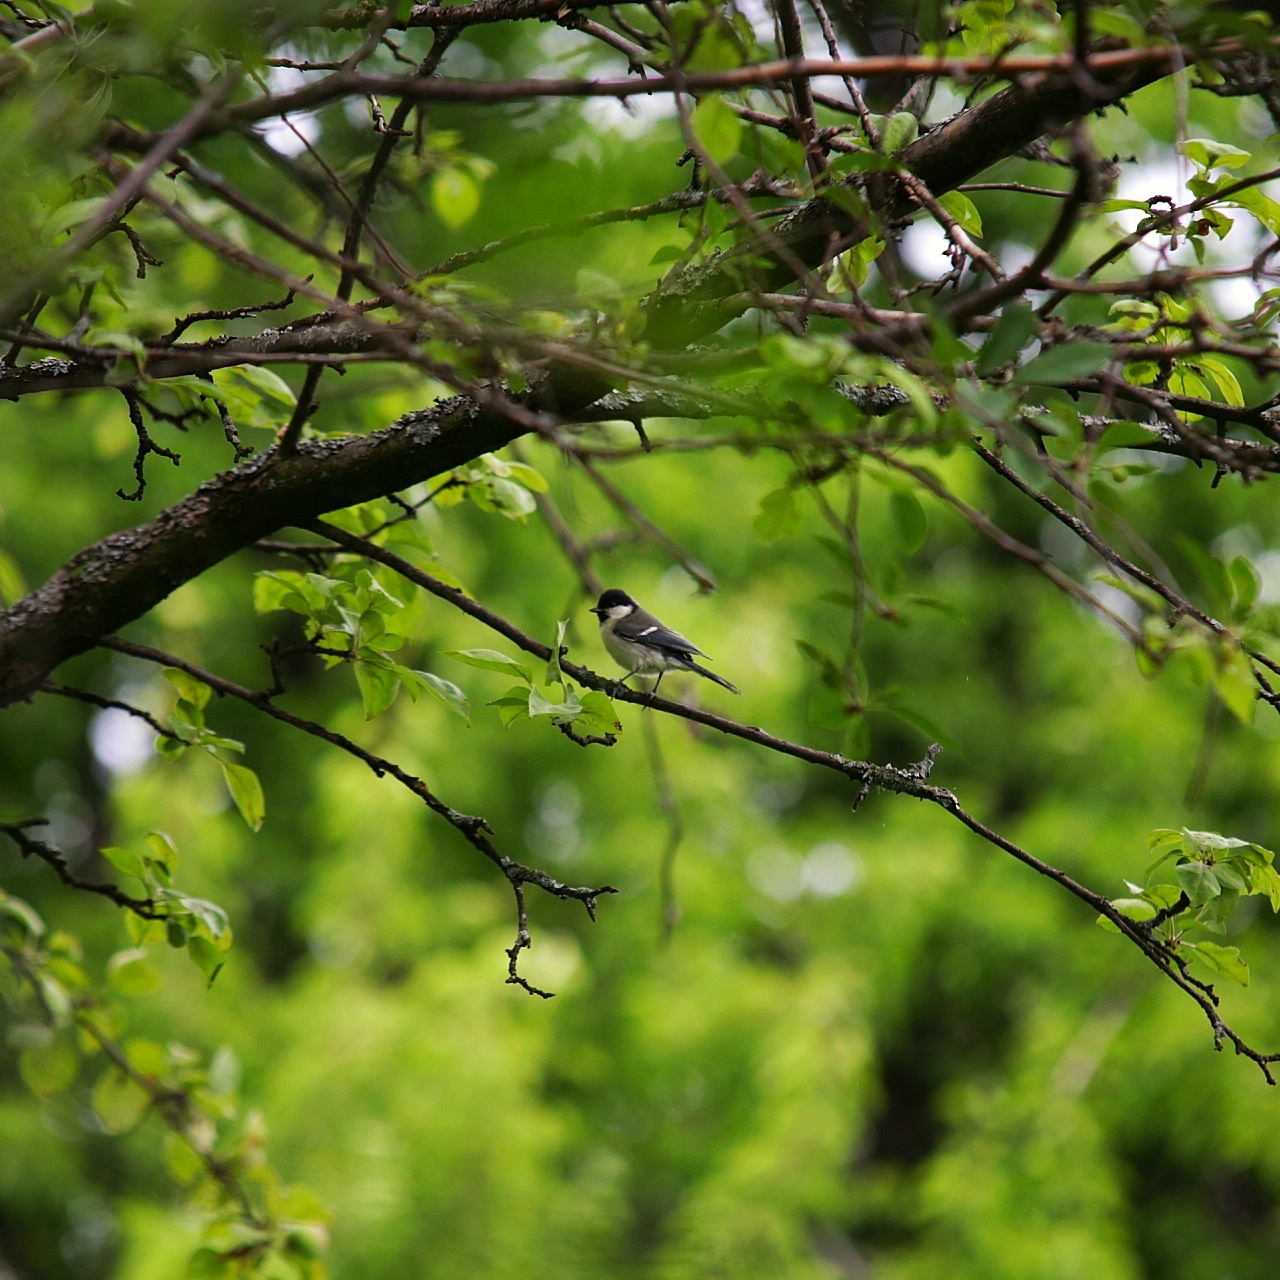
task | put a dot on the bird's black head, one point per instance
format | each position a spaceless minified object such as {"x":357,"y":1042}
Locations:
{"x":612,"y":599}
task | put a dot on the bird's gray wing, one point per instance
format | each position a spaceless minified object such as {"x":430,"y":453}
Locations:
{"x":648,"y":630}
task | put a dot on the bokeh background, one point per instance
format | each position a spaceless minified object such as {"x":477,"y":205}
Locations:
{"x":871,"y":1046}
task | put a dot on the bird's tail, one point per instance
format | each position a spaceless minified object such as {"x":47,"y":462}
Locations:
{"x":711,"y":675}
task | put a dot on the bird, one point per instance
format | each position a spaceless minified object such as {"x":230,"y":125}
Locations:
{"x":637,"y":641}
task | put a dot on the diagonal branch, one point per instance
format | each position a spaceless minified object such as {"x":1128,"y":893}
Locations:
{"x":475,"y":831}
{"x":910,"y":780}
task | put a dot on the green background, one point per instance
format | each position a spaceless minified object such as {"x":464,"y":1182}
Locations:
{"x":872,"y":1046}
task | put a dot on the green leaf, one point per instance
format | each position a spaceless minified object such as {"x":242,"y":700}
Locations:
{"x":1208,"y":154}
{"x":780,"y":515}
{"x":1066,"y":363}
{"x":900,"y":130}
{"x":119,"y":1101}
{"x":446,"y":693}
{"x":512,"y":706}
{"x":909,"y":518}
{"x":1163,"y":896}
{"x":1224,"y":960}
{"x":598,"y":714}
{"x":163,"y":850}
{"x":1247,"y":583}
{"x":1266,"y":882}
{"x":1209,"y":842}
{"x":491,"y":660}
{"x":528,"y":476}
{"x":963,"y":210}
{"x":1216,"y":912}
{"x":541,"y":705}
{"x":1122,"y":435}
{"x":209,"y":914}
{"x":142,"y":931}
{"x":246,"y":791}
{"x":1227,"y":382}
{"x":455,"y":196}
{"x":71,"y":215}
{"x":132,"y":973}
{"x":1198,"y":881}
{"x":1230,"y":878}
{"x":717,"y":128}
{"x":207,"y":957}
{"x":828,"y":708}
{"x":1015,"y":328}
{"x":21,"y":913}
{"x":554,"y":674}
{"x":287,"y":590}
{"x":379,"y":686}
{"x":507,"y":497}
{"x":55,"y":998}
{"x":1134,"y":908}
{"x":260,"y":382}
{"x":189,"y":688}
{"x":857,"y":261}
{"x":1116,"y":206}
{"x":127,"y":861}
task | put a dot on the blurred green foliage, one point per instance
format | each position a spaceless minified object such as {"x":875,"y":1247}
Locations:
{"x":872,"y":1045}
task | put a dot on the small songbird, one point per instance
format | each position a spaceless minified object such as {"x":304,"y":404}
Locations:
{"x":637,"y":641}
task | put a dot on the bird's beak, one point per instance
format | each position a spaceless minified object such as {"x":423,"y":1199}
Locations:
{"x":598,"y":612}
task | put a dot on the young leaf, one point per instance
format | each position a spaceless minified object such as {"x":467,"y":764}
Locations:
{"x":1247,"y":583}
{"x":541,"y":705}
{"x":378,"y":687}
{"x":127,"y":861}
{"x":900,"y":130}
{"x":189,"y":688}
{"x":455,"y":196}
{"x":1198,"y":881}
{"x":1208,"y":154}
{"x":246,"y":791}
{"x":446,"y":693}
{"x":1224,"y":960}
{"x":512,"y":706}
{"x":491,"y":660}
{"x":261,"y":382}
{"x":163,"y":851}
{"x":1016,"y":327}
{"x":207,"y":957}
{"x":963,"y":210}
{"x":598,"y":714}
{"x":1134,"y":908}
{"x":554,"y":674}
{"x":1066,"y":363}
{"x":717,"y":128}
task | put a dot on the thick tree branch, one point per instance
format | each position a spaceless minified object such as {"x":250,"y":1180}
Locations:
{"x":119,"y":579}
